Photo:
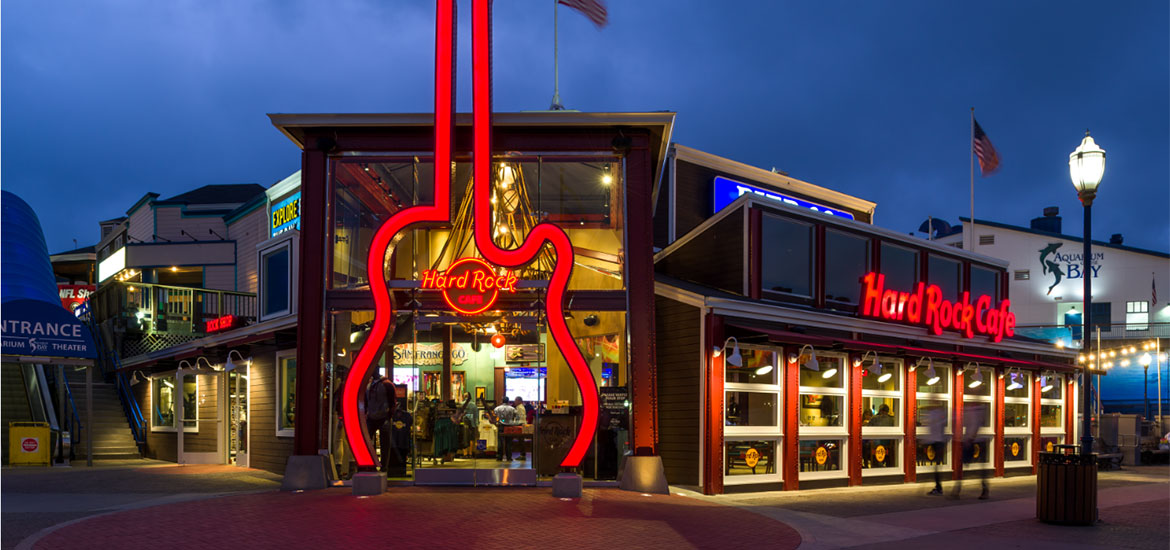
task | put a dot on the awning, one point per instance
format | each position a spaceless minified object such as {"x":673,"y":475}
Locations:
{"x":33,"y":327}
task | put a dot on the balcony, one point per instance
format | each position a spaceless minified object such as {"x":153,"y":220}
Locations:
{"x":142,"y":318}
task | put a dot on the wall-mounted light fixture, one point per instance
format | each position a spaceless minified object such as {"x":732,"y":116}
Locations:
{"x":977,"y":378}
{"x":735,"y":359}
{"x":812,"y":363}
{"x":231,"y":366}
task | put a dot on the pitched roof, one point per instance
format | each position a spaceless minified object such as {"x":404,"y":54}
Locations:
{"x":1073,"y":238}
{"x":232,"y":193}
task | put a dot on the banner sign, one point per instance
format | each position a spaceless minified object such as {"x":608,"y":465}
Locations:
{"x":32,"y":327}
{"x":286,"y":214}
{"x":470,"y":286}
{"x":727,"y":190}
{"x":925,"y":306}
{"x":427,"y":354}
{"x":73,"y":296}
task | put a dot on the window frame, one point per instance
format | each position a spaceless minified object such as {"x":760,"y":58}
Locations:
{"x":288,"y":240}
{"x":774,"y":434}
{"x":947,"y":397}
{"x":812,"y":261}
{"x":1061,"y":382}
{"x":985,"y":433}
{"x":843,"y":458}
{"x":897,"y":432}
{"x":280,"y":391}
{"x":177,"y":380}
{"x":834,"y":302}
{"x":1136,"y":308}
{"x":842,"y":391}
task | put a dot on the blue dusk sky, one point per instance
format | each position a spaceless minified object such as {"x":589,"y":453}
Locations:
{"x":104,"y":101}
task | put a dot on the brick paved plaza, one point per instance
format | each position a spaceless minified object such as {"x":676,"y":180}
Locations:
{"x":138,"y":504}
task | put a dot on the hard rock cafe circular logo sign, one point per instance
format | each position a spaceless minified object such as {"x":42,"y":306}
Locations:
{"x":1015,"y":448}
{"x":1049,"y":447}
{"x":879,"y":453}
{"x":751,"y":457}
{"x":930,"y":452}
{"x":822,"y":455}
{"x":975,"y":451}
{"x":470,"y":286}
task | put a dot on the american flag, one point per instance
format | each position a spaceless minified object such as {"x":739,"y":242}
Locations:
{"x":593,"y":9}
{"x":988,"y":157}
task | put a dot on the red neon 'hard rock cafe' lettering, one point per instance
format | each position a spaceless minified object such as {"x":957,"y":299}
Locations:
{"x":469,"y":286}
{"x":926,"y":306}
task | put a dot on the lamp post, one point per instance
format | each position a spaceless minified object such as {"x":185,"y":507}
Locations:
{"x":1086,"y":165}
{"x":1145,"y":362}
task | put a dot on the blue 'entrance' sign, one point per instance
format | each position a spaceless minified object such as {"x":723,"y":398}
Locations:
{"x":727,"y":190}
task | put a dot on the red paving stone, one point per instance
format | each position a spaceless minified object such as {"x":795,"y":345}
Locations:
{"x":415,"y":517}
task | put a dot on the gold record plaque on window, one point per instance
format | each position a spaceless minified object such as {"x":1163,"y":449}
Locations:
{"x":822,"y":455}
{"x":1049,"y":447}
{"x":930,"y":452}
{"x":1015,"y":448}
{"x":751,"y":457}
{"x":879,"y":453}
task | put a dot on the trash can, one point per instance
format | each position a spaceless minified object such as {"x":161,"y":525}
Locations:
{"x":28,"y":443}
{"x":1066,"y":488}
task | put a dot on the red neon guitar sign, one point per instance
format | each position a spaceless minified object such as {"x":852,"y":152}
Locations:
{"x":470,"y":286}
{"x":542,"y":234}
{"x":926,"y":306}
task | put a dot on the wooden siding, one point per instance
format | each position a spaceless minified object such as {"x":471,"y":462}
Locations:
{"x":140,"y":226}
{"x":679,"y":372}
{"x":714,"y":258}
{"x":248,"y":232}
{"x":266,"y":451}
{"x":172,"y":222}
{"x":662,"y":211}
{"x":219,"y":277}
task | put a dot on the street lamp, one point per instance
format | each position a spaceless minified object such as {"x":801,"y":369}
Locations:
{"x":1086,"y":166}
{"x":1145,"y":360}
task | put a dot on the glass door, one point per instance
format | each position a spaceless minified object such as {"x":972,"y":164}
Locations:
{"x":237,"y":421}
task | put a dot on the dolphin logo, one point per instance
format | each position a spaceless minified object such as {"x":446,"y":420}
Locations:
{"x":1047,"y":266}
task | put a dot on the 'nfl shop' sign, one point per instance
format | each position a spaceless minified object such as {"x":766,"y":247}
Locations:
{"x":926,"y":306}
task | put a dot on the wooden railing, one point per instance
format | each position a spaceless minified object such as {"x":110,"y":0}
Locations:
{"x":146,"y":309}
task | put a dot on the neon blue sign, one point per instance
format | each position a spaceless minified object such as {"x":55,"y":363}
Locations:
{"x":727,"y":190}
{"x":286,"y":214}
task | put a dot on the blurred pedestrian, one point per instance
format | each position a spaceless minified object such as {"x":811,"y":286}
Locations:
{"x":973,"y":415}
{"x":937,"y":421}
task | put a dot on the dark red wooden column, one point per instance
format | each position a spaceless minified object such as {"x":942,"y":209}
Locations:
{"x":1070,"y":413}
{"x":311,"y":298}
{"x":640,"y":296}
{"x":791,"y":419}
{"x":713,"y":409}
{"x":999,"y":378}
{"x":910,"y":444}
{"x":957,"y":421}
{"x":1035,"y":406}
{"x":854,"y":385}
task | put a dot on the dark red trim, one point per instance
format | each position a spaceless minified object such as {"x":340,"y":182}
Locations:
{"x":910,"y":398}
{"x":791,"y":390}
{"x":713,"y":409}
{"x":854,"y":369}
{"x":1069,"y":411}
{"x":819,"y":258}
{"x":957,"y":420}
{"x":1001,"y":378}
{"x":639,"y":227}
{"x":1035,"y":405}
{"x":755,"y":238}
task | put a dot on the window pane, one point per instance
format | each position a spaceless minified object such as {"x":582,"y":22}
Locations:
{"x":821,"y":410}
{"x":846,"y":262}
{"x":947,"y":274}
{"x":1050,"y":416}
{"x":931,"y":454}
{"x":164,"y":402}
{"x":976,"y":413}
{"x":787,"y":264}
{"x":829,"y":373}
{"x":900,"y":266}
{"x":287,"y":386}
{"x":927,"y":410}
{"x":880,"y":411}
{"x":751,"y":409}
{"x":985,"y":379}
{"x":937,"y":381}
{"x":745,"y":458}
{"x":820,"y":455}
{"x":1015,"y":415}
{"x":1015,"y":449}
{"x":977,"y":453}
{"x":885,"y":379}
{"x":880,"y":453}
{"x":190,"y":401}
{"x":1054,"y":385}
{"x":1048,"y":443}
{"x":759,"y":367}
{"x":1018,"y":385}
{"x":984,"y":282}
{"x":276,"y":281}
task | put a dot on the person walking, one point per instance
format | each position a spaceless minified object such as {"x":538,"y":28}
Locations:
{"x":380,"y":402}
{"x":937,"y":420}
{"x":973,"y":415}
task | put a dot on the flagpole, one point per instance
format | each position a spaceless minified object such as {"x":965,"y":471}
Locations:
{"x":971,"y":144}
{"x":556,"y":102}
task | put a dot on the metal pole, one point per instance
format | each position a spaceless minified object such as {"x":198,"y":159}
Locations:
{"x":89,"y":415}
{"x":556,"y":102}
{"x":971,"y":157}
{"x":1158,"y":369}
{"x":1087,"y":380}
{"x":179,"y":405}
{"x":1146,"y":391}
{"x":61,"y":418}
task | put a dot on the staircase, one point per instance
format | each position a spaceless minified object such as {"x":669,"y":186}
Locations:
{"x":112,"y":438}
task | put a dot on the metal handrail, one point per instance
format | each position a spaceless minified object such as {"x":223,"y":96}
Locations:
{"x":75,"y":423}
{"x":109,"y":366}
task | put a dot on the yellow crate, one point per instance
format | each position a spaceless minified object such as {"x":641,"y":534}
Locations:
{"x":28,"y":443}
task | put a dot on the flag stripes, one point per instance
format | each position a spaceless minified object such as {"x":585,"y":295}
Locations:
{"x":985,"y":151}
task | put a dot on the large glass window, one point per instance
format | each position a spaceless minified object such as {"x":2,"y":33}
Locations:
{"x":932,"y":413}
{"x":787,"y":256}
{"x":846,"y":263}
{"x":751,"y":409}
{"x":758,"y":367}
{"x":881,"y":453}
{"x":1015,"y":450}
{"x":881,"y":415}
{"x":750,"y":458}
{"x":984,"y":281}
{"x":286,"y":376}
{"x":947,"y":274}
{"x":165,"y":405}
{"x":275,"y":278}
{"x":821,"y":455}
{"x":822,"y":393}
{"x":900,"y":266}
{"x":1137,"y":315}
{"x":752,"y":416}
{"x":1051,"y":402}
{"x":1015,"y":415}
